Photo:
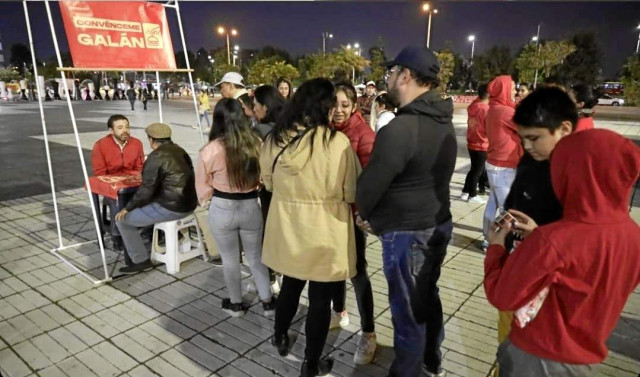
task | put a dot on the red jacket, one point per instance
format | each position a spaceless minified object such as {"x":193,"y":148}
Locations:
{"x":584,"y":123}
{"x":360,"y":135}
{"x":505,"y":148}
{"x":476,"y":127}
{"x":590,"y":259}
{"x":108,"y":158}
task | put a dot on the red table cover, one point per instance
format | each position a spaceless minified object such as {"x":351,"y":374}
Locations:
{"x":109,"y":185}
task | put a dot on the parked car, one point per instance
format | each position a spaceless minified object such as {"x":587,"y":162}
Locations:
{"x":611,"y":101}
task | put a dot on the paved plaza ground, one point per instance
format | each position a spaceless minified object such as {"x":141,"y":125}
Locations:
{"x":53,"y":322}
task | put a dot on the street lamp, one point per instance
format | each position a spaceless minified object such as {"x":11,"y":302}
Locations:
{"x":236,"y":50}
{"x":426,"y":8}
{"x":357,"y":51}
{"x":223,"y":31}
{"x":325,"y":35}
{"x":536,"y":38}
{"x":472,"y":39}
{"x":638,"y":44}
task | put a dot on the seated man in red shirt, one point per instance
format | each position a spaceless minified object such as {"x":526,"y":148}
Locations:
{"x":117,"y":154}
{"x":587,"y":263}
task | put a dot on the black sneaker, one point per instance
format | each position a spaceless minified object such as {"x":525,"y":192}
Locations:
{"x":323,"y":367}
{"x":234,"y":310}
{"x":282,"y":343}
{"x":270,"y":307}
{"x":137,"y":267}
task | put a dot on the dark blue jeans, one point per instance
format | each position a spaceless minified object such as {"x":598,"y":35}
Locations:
{"x":412,"y":262}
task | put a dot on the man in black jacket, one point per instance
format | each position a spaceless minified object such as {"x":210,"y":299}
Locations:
{"x":167,"y":193}
{"x":404,"y":194}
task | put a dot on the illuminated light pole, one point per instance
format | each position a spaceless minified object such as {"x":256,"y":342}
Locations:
{"x":223,"y":31}
{"x":427,"y":8}
{"x":638,"y":44}
{"x":472,"y":39}
{"x":325,"y":35}
{"x":236,"y":51}
{"x":536,"y":38}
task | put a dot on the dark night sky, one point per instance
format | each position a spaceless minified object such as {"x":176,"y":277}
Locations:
{"x":297,"y":26}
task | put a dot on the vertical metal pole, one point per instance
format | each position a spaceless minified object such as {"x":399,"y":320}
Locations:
{"x":535,"y":79}
{"x":638,"y":44}
{"x":44,"y":125}
{"x":228,"y":50}
{"x":324,"y":45}
{"x":159,"y":95}
{"x":473,"y":46}
{"x":75,"y":131}
{"x":429,"y":30}
{"x":186,"y":58}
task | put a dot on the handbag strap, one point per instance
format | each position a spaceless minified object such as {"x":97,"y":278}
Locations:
{"x":295,"y":138}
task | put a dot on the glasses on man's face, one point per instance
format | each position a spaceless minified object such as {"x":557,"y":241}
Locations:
{"x":390,"y":72}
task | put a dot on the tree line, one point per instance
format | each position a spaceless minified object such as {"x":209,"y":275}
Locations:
{"x":565,"y":61}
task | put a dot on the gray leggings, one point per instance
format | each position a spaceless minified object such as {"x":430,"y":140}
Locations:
{"x":231,"y":221}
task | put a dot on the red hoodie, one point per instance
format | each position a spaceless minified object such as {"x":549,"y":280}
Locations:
{"x":584,"y":123}
{"x":505,"y":148}
{"x":360,"y":135}
{"x":108,"y":158}
{"x":590,"y":259}
{"x":476,"y":128}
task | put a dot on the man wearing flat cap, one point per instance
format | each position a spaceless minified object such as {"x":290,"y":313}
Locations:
{"x":403,"y":196}
{"x":167,"y":193}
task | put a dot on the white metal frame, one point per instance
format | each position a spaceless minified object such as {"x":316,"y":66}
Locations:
{"x":61,"y":246}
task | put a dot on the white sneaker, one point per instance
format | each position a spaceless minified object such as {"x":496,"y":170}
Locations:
{"x":477,"y":199}
{"x":366,"y":348}
{"x":339,"y":319}
{"x":464,"y":196}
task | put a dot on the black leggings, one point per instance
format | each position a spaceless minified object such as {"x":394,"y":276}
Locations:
{"x":318,"y":314}
{"x":477,"y":176}
{"x":361,"y":286}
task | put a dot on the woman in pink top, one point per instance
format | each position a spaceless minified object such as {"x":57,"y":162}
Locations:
{"x":228,"y":175}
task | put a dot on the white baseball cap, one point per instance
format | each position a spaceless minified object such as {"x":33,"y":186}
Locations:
{"x":233,"y":78}
{"x":371,"y":83}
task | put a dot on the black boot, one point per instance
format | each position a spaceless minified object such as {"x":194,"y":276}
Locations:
{"x":281,"y":342}
{"x":323,"y":367}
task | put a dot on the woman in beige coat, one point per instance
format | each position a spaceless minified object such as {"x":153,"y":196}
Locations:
{"x":311,"y":170}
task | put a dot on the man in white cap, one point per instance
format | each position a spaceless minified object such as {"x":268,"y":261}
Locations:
{"x":365,"y":101}
{"x":232,"y":85}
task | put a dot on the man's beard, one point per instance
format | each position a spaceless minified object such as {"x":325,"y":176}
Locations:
{"x":121,"y":139}
{"x":393,"y":97}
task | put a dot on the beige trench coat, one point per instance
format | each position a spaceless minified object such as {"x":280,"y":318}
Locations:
{"x":309,"y":234}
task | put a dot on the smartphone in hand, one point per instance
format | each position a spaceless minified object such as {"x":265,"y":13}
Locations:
{"x":503,"y":219}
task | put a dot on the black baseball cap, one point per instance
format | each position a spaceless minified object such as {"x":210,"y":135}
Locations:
{"x":418,"y":58}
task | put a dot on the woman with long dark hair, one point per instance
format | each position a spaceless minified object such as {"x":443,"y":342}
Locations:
{"x":228,"y":174}
{"x":284,"y":88}
{"x":312,"y":172}
{"x":267,"y":104}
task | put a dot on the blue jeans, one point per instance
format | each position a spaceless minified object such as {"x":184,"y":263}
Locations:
{"x":412,"y":262}
{"x":500,"y":182}
{"x":141,"y":217}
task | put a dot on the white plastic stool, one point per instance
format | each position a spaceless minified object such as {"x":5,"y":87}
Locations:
{"x":177,"y":250}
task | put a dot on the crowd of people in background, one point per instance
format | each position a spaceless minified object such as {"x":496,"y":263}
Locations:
{"x":297,"y":182}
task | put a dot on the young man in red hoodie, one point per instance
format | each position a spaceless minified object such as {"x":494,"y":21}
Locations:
{"x":589,"y":261}
{"x":505,"y":149}
{"x":117,"y":154}
{"x":477,"y":145}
